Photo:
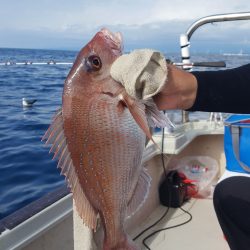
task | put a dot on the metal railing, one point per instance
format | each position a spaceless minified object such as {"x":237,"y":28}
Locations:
{"x":185,"y":38}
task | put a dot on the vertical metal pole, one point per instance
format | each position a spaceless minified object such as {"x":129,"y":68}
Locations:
{"x":185,"y":56}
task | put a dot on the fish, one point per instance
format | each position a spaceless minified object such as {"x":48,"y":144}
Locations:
{"x":98,"y":137}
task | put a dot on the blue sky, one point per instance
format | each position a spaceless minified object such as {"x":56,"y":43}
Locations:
{"x":153,"y":24}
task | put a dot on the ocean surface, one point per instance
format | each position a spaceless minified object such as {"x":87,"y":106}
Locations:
{"x":27,"y":171}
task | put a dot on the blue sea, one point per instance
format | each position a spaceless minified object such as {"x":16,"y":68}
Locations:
{"x":27,"y":171}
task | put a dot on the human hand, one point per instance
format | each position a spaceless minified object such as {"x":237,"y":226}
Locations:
{"x":179,"y":91}
{"x":145,"y":74}
{"x":142,"y":72}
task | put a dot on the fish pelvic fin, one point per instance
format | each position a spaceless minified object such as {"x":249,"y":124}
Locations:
{"x":55,"y":136}
{"x":140,"y":194}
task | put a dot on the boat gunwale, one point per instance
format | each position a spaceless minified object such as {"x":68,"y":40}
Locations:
{"x":16,"y":218}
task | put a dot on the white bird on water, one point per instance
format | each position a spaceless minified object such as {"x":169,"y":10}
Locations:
{"x":28,"y":103}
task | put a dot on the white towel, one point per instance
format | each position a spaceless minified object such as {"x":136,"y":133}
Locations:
{"x":142,"y":72}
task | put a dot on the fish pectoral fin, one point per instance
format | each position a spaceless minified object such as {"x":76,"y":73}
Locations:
{"x":137,"y":110}
{"x":139,"y":194}
{"x":156,"y":118}
{"x":55,"y":136}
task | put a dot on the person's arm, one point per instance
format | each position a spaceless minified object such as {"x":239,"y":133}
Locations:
{"x":221,"y":91}
{"x":145,"y":74}
{"x":224,"y":90}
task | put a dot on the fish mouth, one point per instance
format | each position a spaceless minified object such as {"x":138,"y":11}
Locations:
{"x":115,"y":37}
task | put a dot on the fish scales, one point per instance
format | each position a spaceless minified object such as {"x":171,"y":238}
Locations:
{"x":115,"y":140}
{"x":119,"y":143}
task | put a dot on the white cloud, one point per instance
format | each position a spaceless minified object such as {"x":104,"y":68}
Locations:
{"x":190,"y":10}
{"x":246,"y":41}
{"x":85,"y":14}
{"x":149,"y":22}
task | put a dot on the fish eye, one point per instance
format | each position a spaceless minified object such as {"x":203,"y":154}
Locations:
{"x":94,"y":62}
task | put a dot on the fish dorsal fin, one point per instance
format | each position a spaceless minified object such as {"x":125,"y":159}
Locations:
{"x":140,"y":193}
{"x":137,"y":110}
{"x":55,"y":136}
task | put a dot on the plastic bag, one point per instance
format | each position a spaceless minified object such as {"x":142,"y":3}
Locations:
{"x":202,"y":171}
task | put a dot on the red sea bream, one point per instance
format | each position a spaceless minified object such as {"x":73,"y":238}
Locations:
{"x":98,"y":137}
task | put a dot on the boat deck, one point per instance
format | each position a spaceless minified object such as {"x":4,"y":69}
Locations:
{"x":53,"y":228}
{"x":202,"y":232}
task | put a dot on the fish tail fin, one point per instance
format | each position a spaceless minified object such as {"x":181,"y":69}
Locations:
{"x":125,"y":243}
